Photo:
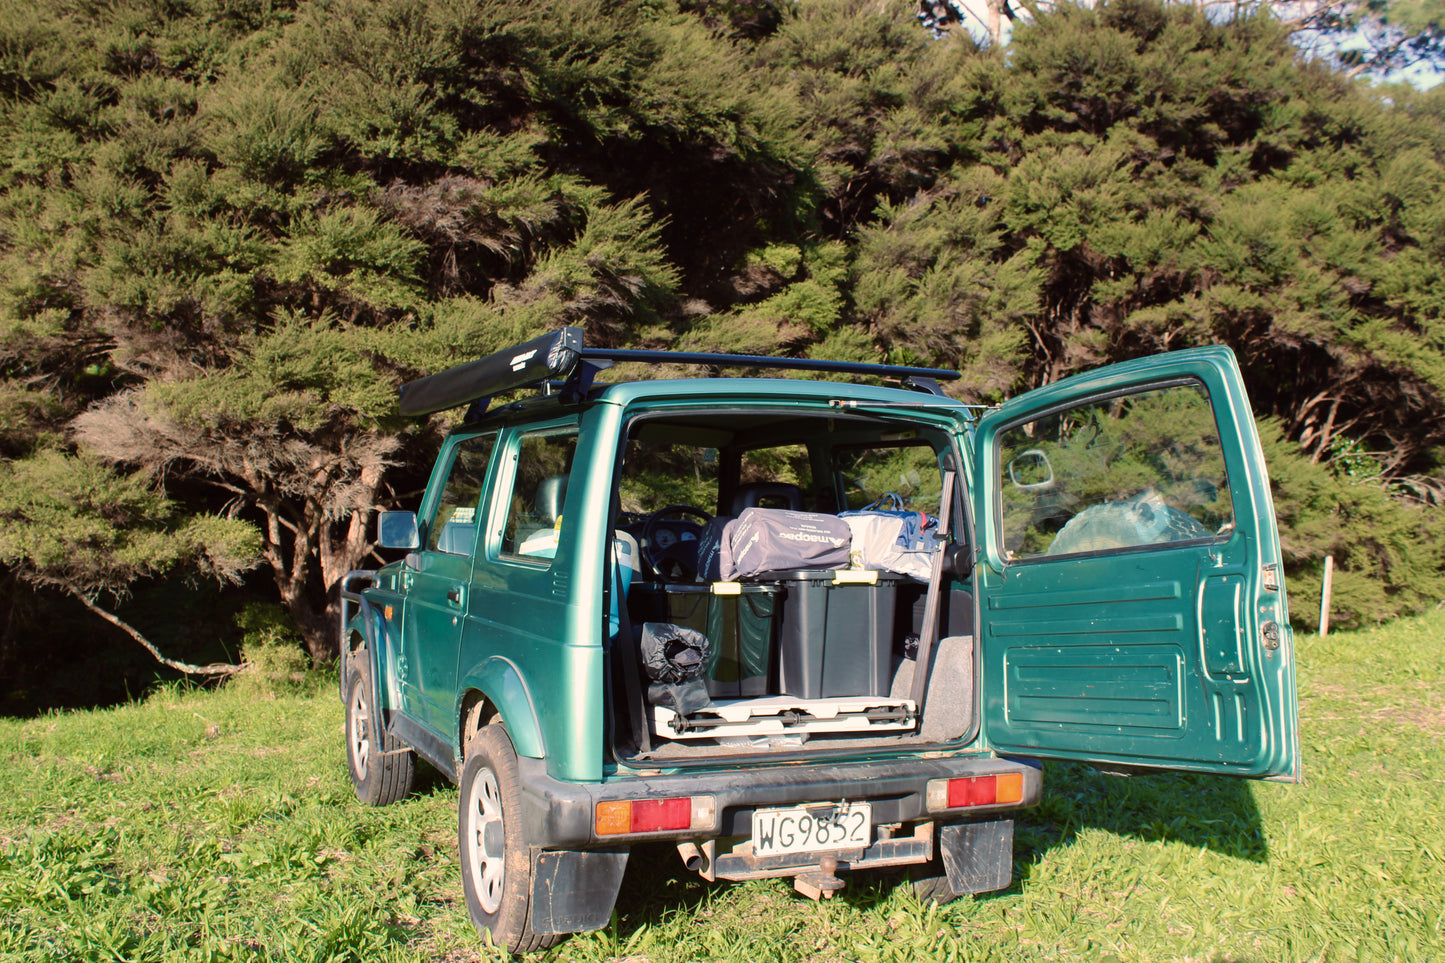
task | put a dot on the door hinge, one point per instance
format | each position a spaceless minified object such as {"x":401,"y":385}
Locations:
{"x":1270,"y":578}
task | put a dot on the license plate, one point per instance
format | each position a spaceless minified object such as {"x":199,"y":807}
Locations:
{"x":811,"y":829}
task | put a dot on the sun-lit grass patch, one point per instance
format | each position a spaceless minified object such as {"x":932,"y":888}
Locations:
{"x":215,"y":826}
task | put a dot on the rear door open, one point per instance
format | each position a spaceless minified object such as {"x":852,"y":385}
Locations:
{"x":1132,"y":608}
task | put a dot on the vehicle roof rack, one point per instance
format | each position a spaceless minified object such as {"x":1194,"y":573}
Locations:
{"x":562,"y":356}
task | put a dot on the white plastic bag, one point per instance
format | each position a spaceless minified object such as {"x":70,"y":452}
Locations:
{"x":893,"y":541}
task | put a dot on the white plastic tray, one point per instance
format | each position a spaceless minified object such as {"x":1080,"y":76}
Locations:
{"x":783,"y":715}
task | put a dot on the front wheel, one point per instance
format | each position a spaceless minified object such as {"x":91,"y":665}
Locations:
{"x":382,"y":769}
{"x":496,"y":860}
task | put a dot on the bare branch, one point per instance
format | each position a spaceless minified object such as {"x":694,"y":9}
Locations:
{"x":214,"y":670}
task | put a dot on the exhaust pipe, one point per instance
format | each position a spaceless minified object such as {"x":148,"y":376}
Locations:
{"x":697,"y":859}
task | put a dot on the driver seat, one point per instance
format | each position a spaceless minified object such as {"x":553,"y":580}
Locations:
{"x":626,"y":568}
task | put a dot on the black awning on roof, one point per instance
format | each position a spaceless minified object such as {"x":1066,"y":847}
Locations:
{"x":548,"y":358}
{"x":555,"y":357}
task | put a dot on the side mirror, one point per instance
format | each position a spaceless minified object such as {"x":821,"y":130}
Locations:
{"x":1030,"y":471}
{"x":397,"y":530}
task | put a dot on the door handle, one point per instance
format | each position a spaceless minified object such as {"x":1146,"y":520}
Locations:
{"x":454,"y":595}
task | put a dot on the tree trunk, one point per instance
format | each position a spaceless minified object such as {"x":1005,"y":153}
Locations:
{"x":317,"y":625}
{"x":300,"y":562}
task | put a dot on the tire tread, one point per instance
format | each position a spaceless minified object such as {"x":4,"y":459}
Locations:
{"x":392,"y":767}
{"x":495,"y":745}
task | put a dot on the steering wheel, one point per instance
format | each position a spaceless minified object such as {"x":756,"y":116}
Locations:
{"x":677,"y":560}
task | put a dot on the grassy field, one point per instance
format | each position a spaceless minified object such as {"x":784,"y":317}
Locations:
{"x":213,"y":826}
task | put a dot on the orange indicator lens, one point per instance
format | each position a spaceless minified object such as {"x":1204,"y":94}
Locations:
{"x":1010,"y":787}
{"x":613,"y":817}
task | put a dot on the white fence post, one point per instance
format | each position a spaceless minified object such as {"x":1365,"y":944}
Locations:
{"x":1325,"y":595}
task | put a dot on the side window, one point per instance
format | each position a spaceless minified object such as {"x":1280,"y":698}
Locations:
{"x":453,"y":525}
{"x":1115,"y":473}
{"x":871,"y":474}
{"x":534,"y":517}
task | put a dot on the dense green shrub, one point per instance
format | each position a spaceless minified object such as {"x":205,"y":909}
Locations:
{"x":272,"y":651}
{"x":229,"y":229}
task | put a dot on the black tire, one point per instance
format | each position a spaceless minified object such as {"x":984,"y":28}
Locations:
{"x":495,"y":857}
{"x":382,"y":768}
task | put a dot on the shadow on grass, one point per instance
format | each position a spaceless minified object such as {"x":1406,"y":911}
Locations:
{"x":1209,"y":812}
{"x":1199,"y":811}
{"x":657,"y":883}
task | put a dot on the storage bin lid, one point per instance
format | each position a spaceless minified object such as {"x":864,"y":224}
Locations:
{"x":841,"y":576}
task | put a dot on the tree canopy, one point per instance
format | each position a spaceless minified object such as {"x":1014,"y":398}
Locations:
{"x":229,"y":230}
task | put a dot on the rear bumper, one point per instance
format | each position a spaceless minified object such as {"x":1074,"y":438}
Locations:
{"x":560,"y":815}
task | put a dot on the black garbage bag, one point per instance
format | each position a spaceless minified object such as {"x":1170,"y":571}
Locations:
{"x":675,"y":659}
{"x":683,"y":697}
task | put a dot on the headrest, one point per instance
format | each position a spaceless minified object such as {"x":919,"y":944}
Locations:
{"x":767,"y":495}
{"x":551,"y":493}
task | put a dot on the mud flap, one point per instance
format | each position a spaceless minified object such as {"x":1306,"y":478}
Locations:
{"x":574,"y":892}
{"x":978,"y":857}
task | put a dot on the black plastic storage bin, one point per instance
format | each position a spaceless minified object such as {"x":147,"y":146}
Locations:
{"x":739,"y":620}
{"x":836,"y":632}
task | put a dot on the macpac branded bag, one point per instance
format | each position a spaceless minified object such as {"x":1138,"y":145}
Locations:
{"x":778,"y":540}
{"x":891,"y":539}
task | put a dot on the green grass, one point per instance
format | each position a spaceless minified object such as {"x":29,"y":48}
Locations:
{"x":213,"y":826}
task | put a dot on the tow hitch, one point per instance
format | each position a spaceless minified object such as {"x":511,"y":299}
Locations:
{"x":822,"y":882}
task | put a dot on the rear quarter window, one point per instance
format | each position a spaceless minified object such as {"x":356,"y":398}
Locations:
{"x":538,"y":490}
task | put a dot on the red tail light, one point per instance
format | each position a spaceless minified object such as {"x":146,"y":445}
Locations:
{"x":621,"y":816}
{"x":962,"y":793}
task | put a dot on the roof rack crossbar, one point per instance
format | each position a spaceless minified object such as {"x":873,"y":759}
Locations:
{"x":894,"y":371}
{"x":561,"y":356}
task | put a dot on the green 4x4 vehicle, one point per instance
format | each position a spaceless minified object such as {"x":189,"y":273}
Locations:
{"x":805,"y":627}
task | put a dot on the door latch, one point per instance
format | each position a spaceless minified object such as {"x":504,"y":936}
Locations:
{"x":1269,"y":631}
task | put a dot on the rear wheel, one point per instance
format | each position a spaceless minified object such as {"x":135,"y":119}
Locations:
{"x":382,"y":769}
{"x":1142,"y":520}
{"x":496,"y":860}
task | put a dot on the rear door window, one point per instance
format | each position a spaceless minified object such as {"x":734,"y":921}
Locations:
{"x":1122,"y":472}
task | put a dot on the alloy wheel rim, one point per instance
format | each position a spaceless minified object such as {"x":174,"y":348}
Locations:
{"x":485,"y":841}
{"x":360,"y":741}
